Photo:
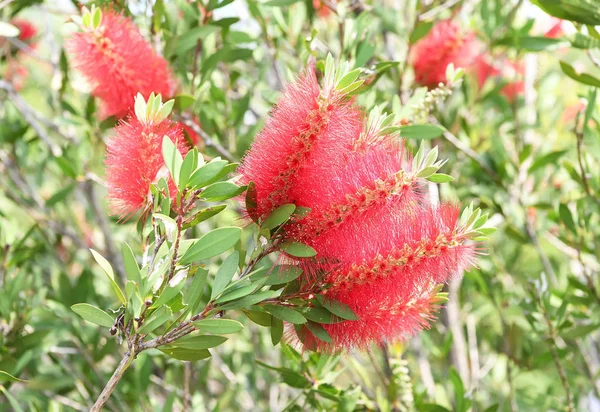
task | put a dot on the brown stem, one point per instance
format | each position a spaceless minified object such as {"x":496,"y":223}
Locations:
{"x":114,"y":379}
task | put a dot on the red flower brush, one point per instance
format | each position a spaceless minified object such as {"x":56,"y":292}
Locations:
{"x":446,"y":43}
{"x":118,"y":62}
{"x":134,"y":157}
{"x":27,"y":30}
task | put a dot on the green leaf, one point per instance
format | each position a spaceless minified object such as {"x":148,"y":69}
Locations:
{"x":131,"y":267}
{"x":185,"y":354}
{"x":193,"y":295}
{"x":549,"y":158}
{"x":440,"y":178}
{"x":285,"y":313}
{"x":60,"y":195}
{"x":581,"y":41}
{"x":172,"y":158}
{"x":221,"y":191}
{"x":187,"y":167}
{"x":110,"y":274}
{"x":204,"y":214}
{"x":184,"y":101}
{"x":567,"y":217}
{"x":218,"y":326}
{"x":225,"y":274}
{"x":190,"y":38}
{"x":212,"y":244}
{"x":298,"y":249}
{"x":319,"y":332}
{"x":7,"y":377}
{"x":236,"y":293}
{"x":337,"y":308}
{"x":93,"y":314}
{"x":532,"y":43}
{"x":155,"y":320}
{"x":13,"y":402}
{"x":579,"y":77}
{"x":582,"y":11}
{"x":420,"y":31}
{"x":283,"y":274}
{"x":280,"y":3}
{"x":199,"y":342}
{"x":579,"y":331}
{"x":421,"y":131}
{"x":276,"y":330}
{"x":250,"y":300}
{"x":279,"y":216}
{"x":258,"y":317}
{"x":320,"y":315}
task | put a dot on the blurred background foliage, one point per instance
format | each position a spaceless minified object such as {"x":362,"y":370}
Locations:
{"x":520,"y":332}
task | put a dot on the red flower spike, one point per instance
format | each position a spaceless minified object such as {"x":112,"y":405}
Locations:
{"x":446,"y":43}
{"x":297,"y":137}
{"x":119,"y":63}
{"x":134,"y":159}
{"x":27,"y":30}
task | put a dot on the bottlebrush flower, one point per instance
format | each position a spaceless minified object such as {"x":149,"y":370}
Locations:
{"x":26,"y":28}
{"x":296,"y":138}
{"x":382,"y":249}
{"x":117,"y":61}
{"x":508,"y":71}
{"x":446,"y":43}
{"x":134,"y":157}
{"x":16,"y":73}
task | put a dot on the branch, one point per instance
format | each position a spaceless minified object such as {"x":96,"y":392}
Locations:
{"x":114,"y":379}
{"x":208,"y":141}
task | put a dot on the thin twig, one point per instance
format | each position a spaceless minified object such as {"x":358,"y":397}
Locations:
{"x":114,"y":379}
{"x":208,"y":141}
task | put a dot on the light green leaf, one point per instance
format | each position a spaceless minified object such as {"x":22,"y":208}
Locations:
{"x":93,"y":314}
{"x":193,"y":295}
{"x":279,"y":216}
{"x":283,"y":274}
{"x":285,"y":313}
{"x":110,"y":274}
{"x":421,"y":131}
{"x":218,"y":326}
{"x":172,"y":157}
{"x":221,"y":191}
{"x":225,"y":274}
{"x":212,"y":244}
{"x":155,"y":320}
{"x":298,"y":249}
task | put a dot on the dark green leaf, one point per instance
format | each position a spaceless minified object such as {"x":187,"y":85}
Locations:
{"x":279,"y":216}
{"x":421,"y":131}
{"x":298,"y":249}
{"x":319,"y":332}
{"x":221,"y":191}
{"x":283,"y":274}
{"x":579,"y":77}
{"x":212,"y":244}
{"x":285,"y":313}
{"x":218,"y":326}
{"x":93,"y":314}
{"x":225,"y":274}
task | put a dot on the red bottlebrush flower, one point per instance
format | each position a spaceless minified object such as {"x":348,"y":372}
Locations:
{"x":297,"y":137}
{"x":118,"y":62}
{"x":381,"y":248}
{"x":134,"y":161}
{"x":446,"y":43}
{"x":321,"y":9}
{"x":26,"y":28}
{"x":16,"y":73}
{"x":556,"y":30}
{"x":506,"y":70}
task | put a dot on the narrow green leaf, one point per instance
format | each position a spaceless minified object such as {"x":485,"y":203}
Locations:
{"x":187,"y":167}
{"x":319,"y":332}
{"x":283,"y":274}
{"x":440,"y":178}
{"x":131,"y":267}
{"x":209,"y":173}
{"x":548,"y":158}
{"x":105,"y":265}
{"x":193,"y":295}
{"x":204,"y":214}
{"x":285,"y":313}
{"x":219,"y":191}
{"x":567,"y":217}
{"x":93,"y":314}
{"x":212,"y":244}
{"x":225,"y":274}
{"x":182,"y":354}
{"x":421,"y":131}
{"x":155,"y":320}
{"x":337,"y":308}
{"x":298,"y":249}
{"x":218,"y":326}
{"x":172,"y":158}
{"x":276,"y":330}
{"x":279,"y":216}
{"x":199,"y":342}
{"x":579,"y":77}
{"x":250,"y":300}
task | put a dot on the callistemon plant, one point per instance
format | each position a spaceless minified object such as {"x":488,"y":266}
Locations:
{"x":117,"y":61}
{"x":447,"y":42}
{"x":381,"y":249}
{"x":134,"y":159}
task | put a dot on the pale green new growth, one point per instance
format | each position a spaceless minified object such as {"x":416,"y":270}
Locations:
{"x":427,"y":165}
{"x":152,"y":111}
{"x":91,"y":19}
{"x":341,"y":78}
